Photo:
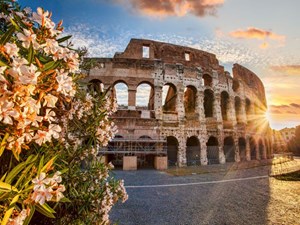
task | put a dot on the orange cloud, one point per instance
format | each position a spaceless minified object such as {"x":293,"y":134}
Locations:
{"x":256,"y":33}
{"x":292,"y":108}
{"x":173,"y":7}
{"x":288,"y":69}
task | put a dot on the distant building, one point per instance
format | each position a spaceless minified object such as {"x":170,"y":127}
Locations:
{"x":282,"y":137}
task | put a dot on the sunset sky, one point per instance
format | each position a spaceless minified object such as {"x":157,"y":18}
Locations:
{"x":263,"y":35}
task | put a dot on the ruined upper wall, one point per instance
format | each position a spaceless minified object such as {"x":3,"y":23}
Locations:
{"x":251,"y":80}
{"x":170,"y":53}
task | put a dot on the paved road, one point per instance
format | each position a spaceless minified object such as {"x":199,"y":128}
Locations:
{"x":207,"y":201}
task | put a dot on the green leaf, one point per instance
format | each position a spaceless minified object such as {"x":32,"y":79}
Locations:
{"x":49,"y":163}
{"x":41,"y":164}
{"x":3,"y":177}
{"x":28,"y":218}
{"x":6,"y":186}
{"x":49,"y":65}
{"x":45,"y":211}
{"x":64,"y":39}
{"x":7,"y":35}
{"x":3,"y":63}
{"x":24,"y":174}
{"x":3,"y":143}
{"x":30,"y":54}
{"x":10,"y":211}
{"x":17,"y":169}
{"x":64,"y":199}
{"x":15,"y":24}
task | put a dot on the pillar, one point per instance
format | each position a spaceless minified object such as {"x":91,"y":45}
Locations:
{"x":200,"y":108}
{"x":237,"y":157}
{"x":180,"y":102}
{"x":158,"y":102}
{"x":243,"y":111}
{"x":203,"y":153}
{"x":131,"y":98}
{"x":248,"y":150}
{"x":217,"y":107}
{"x":231,"y":111}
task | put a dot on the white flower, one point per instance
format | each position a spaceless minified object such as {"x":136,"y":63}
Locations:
{"x":29,"y":74}
{"x":54,"y":130}
{"x":7,"y":112}
{"x":58,"y":192}
{"x":50,"y":115}
{"x":42,"y":137}
{"x":50,"y":100}
{"x":27,"y":38}
{"x":11,"y":49}
{"x":40,"y":181}
{"x":65,"y":84}
{"x":42,"y":18}
{"x":19,"y":220}
{"x":42,"y":194}
{"x":51,"y":46}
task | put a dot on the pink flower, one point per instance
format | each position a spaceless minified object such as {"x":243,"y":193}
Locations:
{"x":65,"y":84}
{"x":27,"y":38}
{"x":42,"y":137}
{"x":40,"y":181}
{"x":42,"y":194}
{"x":7,"y":112}
{"x":11,"y":49}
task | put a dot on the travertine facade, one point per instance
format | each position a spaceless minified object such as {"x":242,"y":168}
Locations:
{"x":208,"y":116}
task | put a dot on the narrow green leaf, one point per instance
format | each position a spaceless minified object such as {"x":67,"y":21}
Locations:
{"x":41,"y":164}
{"x":64,"y":39}
{"x":28,"y":218}
{"x":10,"y":211}
{"x":49,"y":163}
{"x":24,"y":174}
{"x":6,"y":186}
{"x":30,"y":54}
{"x":3,"y":143}
{"x":3,"y":177}
{"x":41,"y":209}
{"x":7,"y":35}
{"x":3,"y":63}
{"x":15,"y":24}
{"x":64,"y":199}
{"x":51,"y":65}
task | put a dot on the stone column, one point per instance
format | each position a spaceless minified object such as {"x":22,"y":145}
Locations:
{"x":237,"y":157}
{"x":265,"y":149}
{"x":203,"y":155}
{"x":180,"y":102}
{"x":200,"y":106}
{"x":243,"y":111}
{"x":231,"y":111}
{"x":217,"y":107}
{"x":222,"y":158}
{"x":158,"y":102}
{"x":131,"y":98}
{"x":181,"y":151}
{"x":248,"y":150}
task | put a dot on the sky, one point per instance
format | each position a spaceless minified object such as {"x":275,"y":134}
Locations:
{"x":262,"y":35}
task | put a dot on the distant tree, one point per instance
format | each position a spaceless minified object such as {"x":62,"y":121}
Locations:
{"x":294,"y":143}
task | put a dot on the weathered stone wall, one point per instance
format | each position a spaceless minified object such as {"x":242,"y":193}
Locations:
{"x":237,"y":103}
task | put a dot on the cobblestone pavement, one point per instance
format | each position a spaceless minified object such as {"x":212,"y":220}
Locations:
{"x":237,"y":201}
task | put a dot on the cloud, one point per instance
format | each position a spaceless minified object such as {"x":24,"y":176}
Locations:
{"x":256,"y":33}
{"x":288,"y":69}
{"x":164,"y":8}
{"x":292,"y":108}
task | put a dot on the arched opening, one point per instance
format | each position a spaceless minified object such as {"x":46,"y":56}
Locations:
{"x":253,"y":149}
{"x":212,"y":150}
{"x":207,"y":80}
{"x":144,"y":146}
{"x":192,"y":151}
{"x":248,"y":109}
{"x":116,"y":145}
{"x":237,"y":106}
{"x":144,"y":97}
{"x":120,"y":92}
{"x":95,"y":86}
{"x":208,"y":103}
{"x":172,"y":150}
{"x":229,"y":149}
{"x":169,"y":98}
{"x":242,"y":149}
{"x":261,"y":149}
{"x":190,"y":94}
{"x":224,"y":105}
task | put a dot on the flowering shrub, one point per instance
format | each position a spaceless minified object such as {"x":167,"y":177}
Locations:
{"x":50,"y":128}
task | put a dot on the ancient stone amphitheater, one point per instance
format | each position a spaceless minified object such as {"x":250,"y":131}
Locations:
{"x":196,"y":113}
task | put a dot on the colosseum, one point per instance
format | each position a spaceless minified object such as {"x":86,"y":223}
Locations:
{"x":196,"y":113}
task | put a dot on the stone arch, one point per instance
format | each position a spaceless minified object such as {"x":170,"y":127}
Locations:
{"x":212,"y":150}
{"x":224,"y":105}
{"x":238,"y":109}
{"x":190,"y":96}
{"x":229,"y":149}
{"x":120,"y":92}
{"x":207,"y":80}
{"x":242,"y":149}
{"x":169,"y":97}
{"x":193,"y":151}
{"x":95,"y":86}
{"x":145,"y":96}
{"x":208,"y":103}
{"x":172,"y":150}
{"x":253,"y":147}
{"x":261,"y":149}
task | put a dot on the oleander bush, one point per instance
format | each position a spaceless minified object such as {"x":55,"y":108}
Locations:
{"x":50,"y":127}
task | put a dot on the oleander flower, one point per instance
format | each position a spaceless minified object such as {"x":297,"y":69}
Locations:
{"x":27,"y":38}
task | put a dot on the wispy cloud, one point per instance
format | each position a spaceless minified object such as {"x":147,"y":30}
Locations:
{"x":164,"y":8}
{"x":292,"y":108}
{"x":256,"y":33}
{"x":288,"y":69}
